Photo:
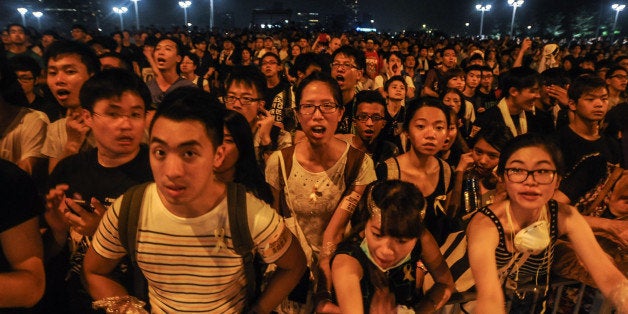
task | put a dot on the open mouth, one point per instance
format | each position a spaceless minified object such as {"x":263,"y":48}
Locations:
{"x":318,"y":129}
{"x":340,"y":78}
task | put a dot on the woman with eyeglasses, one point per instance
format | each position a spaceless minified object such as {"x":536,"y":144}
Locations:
{"x":319,"y":180}
{"x":511,"y":242}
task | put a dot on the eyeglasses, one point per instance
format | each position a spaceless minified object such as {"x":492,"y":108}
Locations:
{"x":115,"y":117}
{"x":541,"y":176}
{"x":244,"y":100}
{"x":25,"y":79}
{"x":620,"y":77}
{"x":363,"y":117}
{"x":338,"y":65}
{"x":309,"y":109}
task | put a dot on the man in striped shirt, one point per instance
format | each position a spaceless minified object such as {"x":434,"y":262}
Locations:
{"x":184,"y":244}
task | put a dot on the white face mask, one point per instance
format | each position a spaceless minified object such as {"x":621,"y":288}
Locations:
{"x":365,"y":248}
{"x":534,"y":238}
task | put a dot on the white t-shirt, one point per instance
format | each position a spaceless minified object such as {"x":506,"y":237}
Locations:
{"x":25,"y":136}
{"x":190,"y":263}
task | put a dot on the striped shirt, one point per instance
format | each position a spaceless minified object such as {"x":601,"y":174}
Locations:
{"x":190,"y":263}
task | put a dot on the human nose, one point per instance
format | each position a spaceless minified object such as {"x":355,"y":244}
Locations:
{"x":173,"y":167}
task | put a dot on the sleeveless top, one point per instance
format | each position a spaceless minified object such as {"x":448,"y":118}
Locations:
{"x":434,"y":218}
{"x":536,"y":266}
{"x":401,"y":279}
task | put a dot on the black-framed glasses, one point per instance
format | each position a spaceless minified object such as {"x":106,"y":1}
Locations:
{"x":309,"y":109}
{"x":620,"y":77}
{"x":541,"y":176}
{"x":244,"y":100}
{"x":26,"y":79}
{"x":337,"y":65}
{"x":363,"y":117}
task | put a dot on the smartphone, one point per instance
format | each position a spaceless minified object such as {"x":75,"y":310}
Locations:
{"x":84,"y":204}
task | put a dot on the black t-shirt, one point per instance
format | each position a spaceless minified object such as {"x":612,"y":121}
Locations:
{"x":346,"y":123}
{"x":270,"y":93}
{"x":493,"y":116}
{"x":574,"y":147}
{"x":19,"y":202}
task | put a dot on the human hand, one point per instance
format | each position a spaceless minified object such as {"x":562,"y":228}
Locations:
{"x":148,"y":52}
{"x":559,"y":93}
{"x":465,"y":163}
{"x":81,"y":220}
{"x":264,"y":124}
{"x":55,"y":208}
{"x":75,"y":128}
{"x":526,"y":44}
{"x":383,"y":302}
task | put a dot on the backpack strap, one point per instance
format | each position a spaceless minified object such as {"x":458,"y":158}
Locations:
{"x":613,"y":177}
{"x":355,"y":157}
{"x":286,"y":154}
{"x":127,"y":232}
{"x":241,"y":234}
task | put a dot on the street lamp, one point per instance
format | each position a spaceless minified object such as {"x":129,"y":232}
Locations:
{"x":618,"y":8}
{"x":23,"y":12}
{"x":185,"y":5}
{"x":482,"y":8}
{"x":514,"y":4}
{"x":120,"y":11}
{"x":137,"y":15}
{"x":211,"y":15}
{"x":38,"y":15}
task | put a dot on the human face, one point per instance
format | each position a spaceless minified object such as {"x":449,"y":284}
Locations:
{"x":27,"y":80}
{"x":296,"y":50}
{"x":187,"y":66}
{"x":617,"y":81}
{"x":268,"y":43}
{"x":182,"y":159}
{"x":449,"y":58}
{"x":240,"y":90}
{"x":485,"y":157}
{"x":346,"y":76}
{"x":259,"y":44}
{"x":394,"y":64}
{"x":334,"y":44}
{"x":246,"y":55}
{"x":17,"y":35}
{"x":46,"y":40}
{"x":118,"y":124}
{"x":231,"y":153}
{"x":529,"y":194}
{"x":319,"y":127}
{"x":396,"y":90}
{"x":166,"y":55}
{"x":451,"y":134}
{"x":487,"y":79}
{"x":624,"y":63}
{"x":524,"y":99}
{"x":453,"y":101}
{"x":6,"y":39}
{"x":427,"y":131}
{"x":591,"y":106}
{"x":270,"y":66}
{"x":386,"y":251}
{"x":456,"y":82}
{"x":65,"y":77}
{"x":473,"y":78}
{"x":368,"y":130}
{"x":110,"y":63}
{"x":78,"y":34}
{"x":410,"y":62}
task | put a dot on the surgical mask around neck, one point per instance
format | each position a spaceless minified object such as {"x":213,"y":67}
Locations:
{"x":365,"y":248}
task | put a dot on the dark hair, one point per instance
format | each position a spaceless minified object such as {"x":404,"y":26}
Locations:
{"x":473,"y":67}
{"x":450,"y":74}
{"x":247,"y":171}
{"x":10,"y":89}
{"x":395,"y":78}
{"x":531,"y":140}
{"x":554,"y":76}
{"x":349,"y":51}
{"x":496,"y":135}
{"x":609,"y":73}
{"x":193,"y":57}
{"x":110,"y":54}
{"x":272,"y":55}
{"x":112,"y":83}
{"x":198,"y":39}
{"x":584,"y":84}
{"x":414,"y":105}
{"x":319,"y":77}
{"x":80,"y":27}
{"x":463,"y":105}
{"x":193,"y":104}
{"x":248,"y":76}
{"x":26,"y":30}
{"x":519,"y":78}
{"x":400,"y":204}
{"x":175,"y":40}
{"x":25,"y":63}
{"x":369,"y":96}
{"x":64,"y":48}
{"x":305,"y":60}
{"x":396,"y":54}
{"x":475,"y":56}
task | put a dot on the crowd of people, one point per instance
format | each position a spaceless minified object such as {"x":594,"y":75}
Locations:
{"x":288,"y":172}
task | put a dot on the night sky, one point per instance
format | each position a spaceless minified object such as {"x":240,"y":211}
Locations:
{"x":396,"y":15}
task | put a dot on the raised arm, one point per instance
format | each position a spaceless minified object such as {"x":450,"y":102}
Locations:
{"x":443,"y":287}
{"x":482,"y":239}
